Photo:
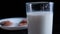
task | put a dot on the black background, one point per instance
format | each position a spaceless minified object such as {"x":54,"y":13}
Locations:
{"x":10,"y":8}
{"x":16,"y":8}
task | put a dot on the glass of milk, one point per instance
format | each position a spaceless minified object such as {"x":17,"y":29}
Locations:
{"x":39,"y":17}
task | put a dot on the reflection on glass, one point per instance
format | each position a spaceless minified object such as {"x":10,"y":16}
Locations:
{"x":40,"y":7}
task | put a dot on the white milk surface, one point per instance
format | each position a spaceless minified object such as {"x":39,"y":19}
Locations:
{"x":40,"y":22}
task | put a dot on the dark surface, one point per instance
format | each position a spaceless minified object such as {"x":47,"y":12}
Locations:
{"x":24,"y":31}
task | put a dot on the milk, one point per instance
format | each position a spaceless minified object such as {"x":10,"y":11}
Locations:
{"x":40,"y":22}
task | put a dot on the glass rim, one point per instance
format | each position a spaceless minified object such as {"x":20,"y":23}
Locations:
{"x":37,"y":2}
{"x":32,"y":3}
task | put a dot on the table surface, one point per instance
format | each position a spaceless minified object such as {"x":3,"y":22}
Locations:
{"x":24,"y":31}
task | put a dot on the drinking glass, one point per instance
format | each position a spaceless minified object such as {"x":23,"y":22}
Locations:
{"x":39,"y":17}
